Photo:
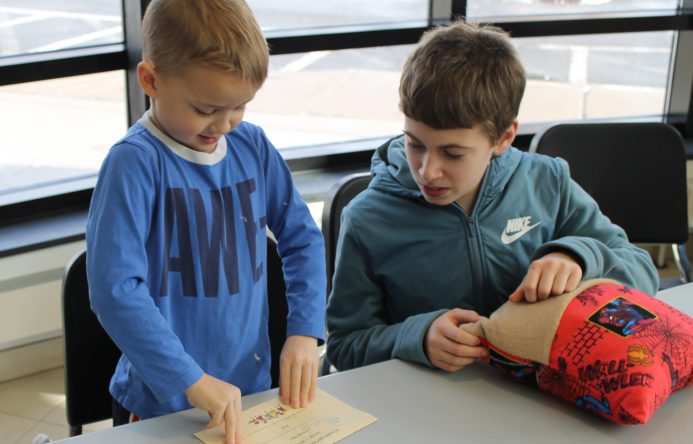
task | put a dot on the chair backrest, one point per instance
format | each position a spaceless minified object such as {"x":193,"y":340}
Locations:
{"x":337,"y":198}
{"x":91,"y":355}
{"x":635,"y":171}
{"x":278,"y":307}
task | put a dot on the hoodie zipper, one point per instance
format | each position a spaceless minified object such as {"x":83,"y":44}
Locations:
{"x":475,"y":247}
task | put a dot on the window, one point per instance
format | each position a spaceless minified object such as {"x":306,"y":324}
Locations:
{"x":595,"y":76}
{"x":312,"y":14}
{"x":330,"y":96}
{"x":534,"y":9}
{"x":31,"y":26}
{"x":333,"y":78}
{"x":61,"y":129}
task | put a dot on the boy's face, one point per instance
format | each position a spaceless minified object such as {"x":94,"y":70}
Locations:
{"x":197,"y":106}
{"x":448,"y":164}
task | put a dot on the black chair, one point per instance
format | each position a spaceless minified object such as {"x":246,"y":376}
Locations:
{"x":637,"y":174}
{"x":278,"y":307}
{"x":91,"y":355}
{"x":338,"y":197}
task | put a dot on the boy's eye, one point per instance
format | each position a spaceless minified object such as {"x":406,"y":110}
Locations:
{"x":415,"y":146}
{"x":204,"y":112}
{"x":453,"y":156}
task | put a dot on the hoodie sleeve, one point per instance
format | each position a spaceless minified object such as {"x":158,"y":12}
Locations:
{"x":602,"y":246}
{"x":117,"y":227}
{"x":360,"y":331}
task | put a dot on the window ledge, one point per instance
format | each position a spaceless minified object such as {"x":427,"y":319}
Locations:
{"x":43,"y":232}
{"x":69,"y":226}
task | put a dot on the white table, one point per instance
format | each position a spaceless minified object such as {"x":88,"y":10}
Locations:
{"x":415,"y":404}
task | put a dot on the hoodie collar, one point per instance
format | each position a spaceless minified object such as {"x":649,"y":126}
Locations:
{"x":391,"y":173}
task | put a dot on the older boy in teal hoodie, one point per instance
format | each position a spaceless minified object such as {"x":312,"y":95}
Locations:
{"x":456,"y":221}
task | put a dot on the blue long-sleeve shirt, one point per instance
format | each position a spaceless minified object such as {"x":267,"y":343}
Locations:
{"x":176,"y":262}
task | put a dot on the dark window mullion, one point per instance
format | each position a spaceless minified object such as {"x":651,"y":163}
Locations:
{"x":365,"y":38}
{"x":597,"y":24}
{"x":459,"y":8}
{"x":133,"y":11}
{"x":75,"y":62}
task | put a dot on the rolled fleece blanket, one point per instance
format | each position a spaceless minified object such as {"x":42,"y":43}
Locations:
{"x":604,"y":347}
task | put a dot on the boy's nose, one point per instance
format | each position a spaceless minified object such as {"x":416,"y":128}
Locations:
{"x":430,"y":168}
{"x":223,"y":124}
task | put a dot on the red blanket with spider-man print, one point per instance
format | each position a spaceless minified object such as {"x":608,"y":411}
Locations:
{"x":606,"y":348}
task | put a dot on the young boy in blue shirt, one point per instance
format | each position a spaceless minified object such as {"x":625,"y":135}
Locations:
{"x":456,"y":221}
{"x":176,"y":233}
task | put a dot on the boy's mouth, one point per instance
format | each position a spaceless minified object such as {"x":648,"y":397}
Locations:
{"x":434,"y":191}
{"x":209,"y":140}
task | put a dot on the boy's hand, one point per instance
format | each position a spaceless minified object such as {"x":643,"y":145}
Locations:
{"x":554,"y":274}
{"x":447,"y":346}
{"x":298,"y":370}
{"x":223,"y":403}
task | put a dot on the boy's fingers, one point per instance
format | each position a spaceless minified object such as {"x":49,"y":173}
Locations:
{"x":466,"y":338}
{"x":285,"y":383}
{"x":453,"y":333}
{"x":313,"y":384}
{"x":546,"y":284}
{"x":238,"y":410}
{"x":518,"y":295}
{"x":216,"y":418}
{"x":295,"y":386}
{"x":530,"y":284}
{"x":573,"y":281}
{"x":459,"y":316}
{"x":230,"y":428}
{"x":452,"y":363}
{"x":560,"y":283}
{"x":230,"y":432}
{"x":306,"y":377}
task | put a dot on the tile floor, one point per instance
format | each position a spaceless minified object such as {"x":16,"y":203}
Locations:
{"x":36,"y":404}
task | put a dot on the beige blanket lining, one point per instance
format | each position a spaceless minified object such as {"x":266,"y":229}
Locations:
{"x":527,"y":330}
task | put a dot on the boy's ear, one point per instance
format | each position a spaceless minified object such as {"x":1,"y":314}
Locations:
{"x":146,"y":75}
{"x":506,"y":139}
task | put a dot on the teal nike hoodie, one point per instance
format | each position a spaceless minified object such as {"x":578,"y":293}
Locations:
{"x":402,"y":262}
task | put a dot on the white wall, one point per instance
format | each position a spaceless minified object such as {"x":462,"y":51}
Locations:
{"x":30,"y":310}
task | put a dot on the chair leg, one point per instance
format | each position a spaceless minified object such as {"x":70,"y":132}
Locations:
{"x":325,"y":368}
{"x":75,"y":430}
{"x":679,"y":252}
{"x":661,"y":261}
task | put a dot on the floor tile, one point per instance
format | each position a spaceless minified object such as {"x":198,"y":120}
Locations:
{"x":13,"y":427}
{"x":54,"y":432}
{"x":57,"y":416}
{"x":33,"y":397}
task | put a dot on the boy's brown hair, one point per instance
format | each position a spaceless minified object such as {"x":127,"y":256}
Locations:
{"x":221,"y":34}
{"x":461,"y":75}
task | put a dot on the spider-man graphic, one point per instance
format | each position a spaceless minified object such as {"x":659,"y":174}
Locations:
{"x":622,"y":317}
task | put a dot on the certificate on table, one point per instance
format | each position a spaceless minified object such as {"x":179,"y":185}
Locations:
{"x":326,"y":420}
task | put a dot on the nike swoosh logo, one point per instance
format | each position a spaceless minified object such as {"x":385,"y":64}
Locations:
{"x":509,"y":239}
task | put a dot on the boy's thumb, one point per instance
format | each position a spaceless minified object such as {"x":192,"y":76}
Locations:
{"x":517,"y":295}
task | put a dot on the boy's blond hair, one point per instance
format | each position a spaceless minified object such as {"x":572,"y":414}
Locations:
{"x":461,"y":75}
{"x":221,"y":34}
